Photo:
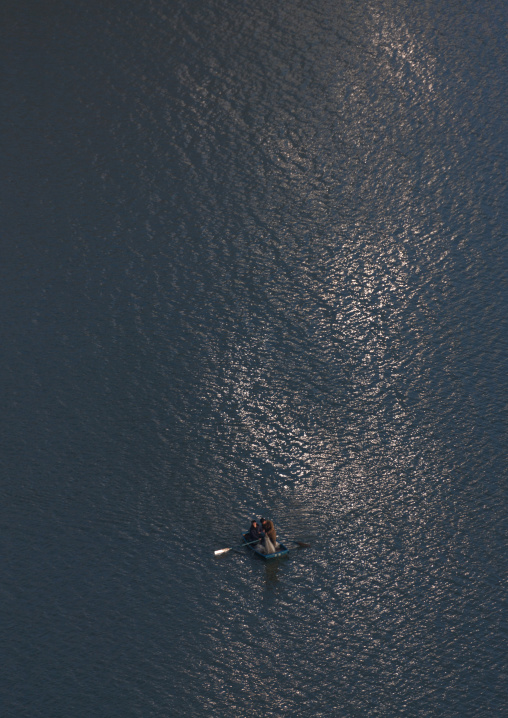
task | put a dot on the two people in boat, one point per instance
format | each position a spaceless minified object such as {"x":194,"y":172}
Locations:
{"x":265,"y":535}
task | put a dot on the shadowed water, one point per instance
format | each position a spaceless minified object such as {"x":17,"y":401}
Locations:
{"x":253,"y":264}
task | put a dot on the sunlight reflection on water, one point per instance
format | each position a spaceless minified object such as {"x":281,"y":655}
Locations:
{"x":264,"y":276}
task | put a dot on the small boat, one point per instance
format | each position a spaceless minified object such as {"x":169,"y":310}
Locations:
{"x":283,"y":551}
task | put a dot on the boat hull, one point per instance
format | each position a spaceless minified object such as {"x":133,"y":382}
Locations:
{"x":266,"y":557}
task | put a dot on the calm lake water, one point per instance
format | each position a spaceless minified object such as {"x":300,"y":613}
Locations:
{"x":253,"y":263}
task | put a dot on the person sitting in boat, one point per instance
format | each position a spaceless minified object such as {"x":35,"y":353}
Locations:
{"x":270,"y":544}
{"x":256,"y":533}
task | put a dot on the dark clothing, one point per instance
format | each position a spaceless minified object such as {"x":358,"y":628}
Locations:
{"x":255,"y":533}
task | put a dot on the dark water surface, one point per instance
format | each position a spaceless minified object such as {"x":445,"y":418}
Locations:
{"x":252,"y":262}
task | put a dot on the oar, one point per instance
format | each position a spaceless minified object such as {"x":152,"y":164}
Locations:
{"x":300,"y":543}
{"x":220,"y":551}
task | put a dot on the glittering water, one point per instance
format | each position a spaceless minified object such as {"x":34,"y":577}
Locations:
{"x":253,"y":263}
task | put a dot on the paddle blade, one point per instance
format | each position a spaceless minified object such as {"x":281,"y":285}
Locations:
{"x":220,"y":551}
{"x":301,"y":544}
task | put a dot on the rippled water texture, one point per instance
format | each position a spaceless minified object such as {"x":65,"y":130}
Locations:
{"x":253,"y":264}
